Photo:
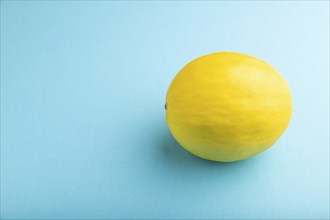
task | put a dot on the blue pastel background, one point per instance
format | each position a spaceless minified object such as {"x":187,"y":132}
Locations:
{"x":83,"y":130}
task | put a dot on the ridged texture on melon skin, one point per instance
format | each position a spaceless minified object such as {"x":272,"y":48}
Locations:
{"x":228,"y":106}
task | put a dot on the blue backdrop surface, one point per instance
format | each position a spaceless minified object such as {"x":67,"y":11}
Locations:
{"x":83,"y":130}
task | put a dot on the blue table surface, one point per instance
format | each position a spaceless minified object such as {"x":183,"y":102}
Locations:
{"x":83,"y":129}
